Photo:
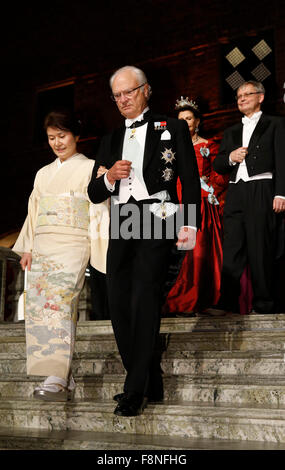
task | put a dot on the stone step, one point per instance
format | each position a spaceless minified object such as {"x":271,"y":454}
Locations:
{"x":185,"y":419}
{"x":204,"y":389}
{"x":205,"y":323}
{"x":175,"y":362}
{"x":191,"y":341}
{"x":34,"y":439}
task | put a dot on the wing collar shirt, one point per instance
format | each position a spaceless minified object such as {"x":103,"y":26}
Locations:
{"x":134,"y":185}
{"x":249,"y":125}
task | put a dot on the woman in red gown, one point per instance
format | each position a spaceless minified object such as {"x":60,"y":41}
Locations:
{"x":197,"y":286}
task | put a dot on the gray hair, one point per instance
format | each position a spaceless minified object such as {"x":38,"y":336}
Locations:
{"x":140,"y":75}
{"x":138,"y":72}
{"x":257,"y":85}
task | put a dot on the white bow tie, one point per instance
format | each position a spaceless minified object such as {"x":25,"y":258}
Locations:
{"x":247,"y":120}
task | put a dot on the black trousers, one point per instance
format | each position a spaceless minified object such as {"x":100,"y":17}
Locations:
{"x":136,"y":272}
{"x":99,"y":300}
{"x":249,"y":237}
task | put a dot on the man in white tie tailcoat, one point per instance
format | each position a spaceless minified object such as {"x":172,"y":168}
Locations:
{"x":253,"y":153}
{"x":144,"y":159}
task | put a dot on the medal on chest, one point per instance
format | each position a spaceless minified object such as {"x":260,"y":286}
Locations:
{"x":132,"y":134}
{"x":160,"y":125}
{"x":168,"y":156}
{"x":167,"y":174}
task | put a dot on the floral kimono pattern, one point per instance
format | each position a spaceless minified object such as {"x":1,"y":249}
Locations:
{"x":57,"y":233}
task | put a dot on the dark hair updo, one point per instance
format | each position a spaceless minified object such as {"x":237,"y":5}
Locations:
{"x":193,"y":110}
{"x":184,"y":104}
{"x":64,"y":120}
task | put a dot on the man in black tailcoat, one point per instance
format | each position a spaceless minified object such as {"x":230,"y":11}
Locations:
{"x":144,"y":159}
{"x":253,"y":153}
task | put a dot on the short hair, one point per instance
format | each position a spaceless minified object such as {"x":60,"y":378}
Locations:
{"x":257,"y":85}
{"x":63,"y":119}
{"x":138,"y":72}
{"x":141,"y":77}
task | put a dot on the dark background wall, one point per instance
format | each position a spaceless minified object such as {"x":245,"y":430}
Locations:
{"x":67,"y":50}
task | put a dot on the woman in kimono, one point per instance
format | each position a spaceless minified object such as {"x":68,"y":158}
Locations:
{"x":61,"y":231}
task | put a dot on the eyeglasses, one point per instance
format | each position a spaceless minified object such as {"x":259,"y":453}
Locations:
{"x":238,"y":97}
{"x":127,"y":93}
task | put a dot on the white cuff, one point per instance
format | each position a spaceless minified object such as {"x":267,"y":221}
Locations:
{"x":281,"y":197}
{"x":109,"y":186}
{"x":189,"y":226}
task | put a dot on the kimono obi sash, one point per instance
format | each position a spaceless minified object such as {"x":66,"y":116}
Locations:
{"x":65,"y":211}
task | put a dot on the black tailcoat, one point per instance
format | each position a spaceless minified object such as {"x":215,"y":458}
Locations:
{"x":249,"y":219}
{"x":136,"y":269}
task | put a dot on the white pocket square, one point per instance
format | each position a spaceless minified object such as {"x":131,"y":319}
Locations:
{"x":165,"y":135}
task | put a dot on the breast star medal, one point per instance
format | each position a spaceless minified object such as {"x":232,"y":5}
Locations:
{"x":167,"y":174}
{"x":168,"y":156}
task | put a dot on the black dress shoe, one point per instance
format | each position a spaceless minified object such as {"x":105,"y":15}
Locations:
{"x":118,"y":397}
{"x":155,"y":399}
{"x":131,"y":405}
{"x":151,"y":398}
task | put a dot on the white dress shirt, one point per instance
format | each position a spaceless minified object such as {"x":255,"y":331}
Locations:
{"x":134,"y":185}
{"x":249,"y":125}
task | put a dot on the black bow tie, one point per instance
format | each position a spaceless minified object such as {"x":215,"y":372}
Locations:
{"x":138,"y":124}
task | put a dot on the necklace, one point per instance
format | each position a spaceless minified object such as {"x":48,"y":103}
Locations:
{"x":196,"y":140}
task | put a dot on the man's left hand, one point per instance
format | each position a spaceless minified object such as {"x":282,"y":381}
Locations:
{"x":186,"y":238}
{"x":278,"y":204}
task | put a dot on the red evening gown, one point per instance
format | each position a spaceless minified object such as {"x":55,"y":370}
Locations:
{"x":197,"y":286}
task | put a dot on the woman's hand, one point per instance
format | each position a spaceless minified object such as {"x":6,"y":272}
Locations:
{"x":101,"y":170}
{"x":26,"y":260}
{"x":205,"y":178}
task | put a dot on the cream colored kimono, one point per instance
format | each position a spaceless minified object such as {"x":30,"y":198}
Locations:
{"x":63,"y":230}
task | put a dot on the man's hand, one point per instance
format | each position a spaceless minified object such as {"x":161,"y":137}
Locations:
{"x":26,"y":260}
{"x":121,"y":169}
{"x":238,"y":155}
{"x":186,"y":238}
{"x":278,"y":204}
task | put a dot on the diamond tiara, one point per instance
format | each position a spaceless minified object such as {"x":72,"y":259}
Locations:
{"x":183,"y":102}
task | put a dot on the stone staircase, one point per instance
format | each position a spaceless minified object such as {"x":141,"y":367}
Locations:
{"x":224,"y":382}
